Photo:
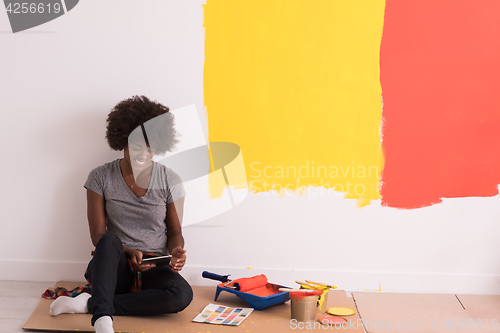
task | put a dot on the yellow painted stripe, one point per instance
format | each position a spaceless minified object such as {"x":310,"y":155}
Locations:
{"x":296,"y":85}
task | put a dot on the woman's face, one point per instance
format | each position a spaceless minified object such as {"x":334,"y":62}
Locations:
{"x":139,"y":155}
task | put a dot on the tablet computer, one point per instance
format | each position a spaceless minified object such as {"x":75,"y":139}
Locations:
{"x":158,"y":261}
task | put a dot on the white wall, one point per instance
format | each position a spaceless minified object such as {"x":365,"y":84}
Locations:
{"x":58,"y":81}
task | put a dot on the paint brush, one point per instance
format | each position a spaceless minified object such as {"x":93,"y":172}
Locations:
{"x":299,"y":290}
{"x":321,"y":284}
{"x":306,"y":284}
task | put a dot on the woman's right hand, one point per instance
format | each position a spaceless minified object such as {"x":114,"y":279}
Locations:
{"x":135,"y":257}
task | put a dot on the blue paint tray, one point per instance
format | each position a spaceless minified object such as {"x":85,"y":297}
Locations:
{"x":257,"y":302}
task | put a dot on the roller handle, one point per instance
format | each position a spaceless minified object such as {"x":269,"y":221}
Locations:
{"x":217,"y":277}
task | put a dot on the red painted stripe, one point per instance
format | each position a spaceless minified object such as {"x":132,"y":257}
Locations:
{"x":440,"y":76}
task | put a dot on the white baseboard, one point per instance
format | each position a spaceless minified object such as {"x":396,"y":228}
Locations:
{"x":410,"y":282}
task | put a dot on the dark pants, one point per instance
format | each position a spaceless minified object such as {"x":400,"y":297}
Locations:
{"x":111,"y":276}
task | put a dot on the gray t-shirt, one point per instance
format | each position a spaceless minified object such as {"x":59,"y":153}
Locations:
{"x":138,"y":222}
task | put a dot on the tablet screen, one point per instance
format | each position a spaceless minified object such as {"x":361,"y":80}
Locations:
{"x":158,"y":261}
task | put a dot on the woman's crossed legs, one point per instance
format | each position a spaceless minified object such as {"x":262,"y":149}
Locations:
{"x":109,"y":272}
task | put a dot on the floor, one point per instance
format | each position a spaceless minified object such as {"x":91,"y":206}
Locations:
{"x":18,"y":299}
{"x":429,"y":313}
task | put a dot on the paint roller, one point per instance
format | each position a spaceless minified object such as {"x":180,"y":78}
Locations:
{"x":255,"y":290}
{"x":241,"y":284}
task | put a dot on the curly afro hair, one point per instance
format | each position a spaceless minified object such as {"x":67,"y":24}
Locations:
{"x":136,"y":114}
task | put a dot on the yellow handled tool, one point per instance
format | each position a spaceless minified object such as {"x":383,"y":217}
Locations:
{"x":306,"y":284}
{"x":321,"y":284}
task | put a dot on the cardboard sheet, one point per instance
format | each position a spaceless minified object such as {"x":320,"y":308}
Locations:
{"x":484,"y":311}
{"x":401,"y":301}
{"x":273,"y":319}
{"x":429,"y":313}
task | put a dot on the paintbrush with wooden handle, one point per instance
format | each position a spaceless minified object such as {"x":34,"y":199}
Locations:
{"x":321,"y":284}
{"x":301,"y":290}
{"x":302,"y":283}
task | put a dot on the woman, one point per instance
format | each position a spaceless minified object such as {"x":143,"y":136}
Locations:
{"x":134,"y":208}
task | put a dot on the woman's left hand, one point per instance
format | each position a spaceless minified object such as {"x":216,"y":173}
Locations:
{"x":178,"y":259}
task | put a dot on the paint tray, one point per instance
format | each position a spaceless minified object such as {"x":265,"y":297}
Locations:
{"x":255,"y":301}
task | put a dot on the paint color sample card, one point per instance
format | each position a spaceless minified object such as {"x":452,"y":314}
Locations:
{"x":222,"y":315}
